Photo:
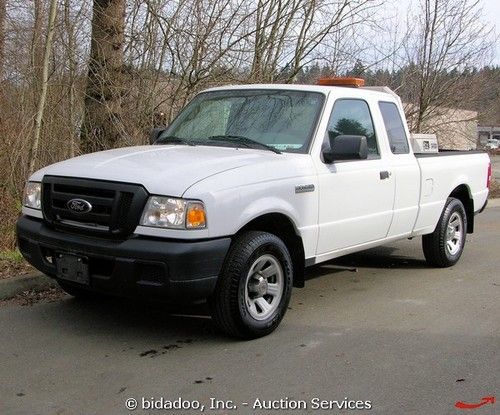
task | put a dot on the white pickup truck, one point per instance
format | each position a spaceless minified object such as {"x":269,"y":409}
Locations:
{"x":249,"y":185}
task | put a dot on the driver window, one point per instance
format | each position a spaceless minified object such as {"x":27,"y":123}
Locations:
{"x":352,"y":117}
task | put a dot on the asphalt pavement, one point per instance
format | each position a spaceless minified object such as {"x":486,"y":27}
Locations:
{"x":396,"y":335}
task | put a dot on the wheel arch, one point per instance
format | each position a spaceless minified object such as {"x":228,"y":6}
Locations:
{"x":284,"y":228}
{"x":462,"y":193}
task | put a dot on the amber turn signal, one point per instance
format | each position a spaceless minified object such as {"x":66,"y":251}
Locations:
{"x":195,"y":217}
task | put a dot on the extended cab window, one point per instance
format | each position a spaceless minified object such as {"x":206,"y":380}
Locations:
{"x":281,"y":119}
{"x":353,"y":117}
{"x":394,"y":127}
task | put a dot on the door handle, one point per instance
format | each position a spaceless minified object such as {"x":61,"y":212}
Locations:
{"x":385,"y":174}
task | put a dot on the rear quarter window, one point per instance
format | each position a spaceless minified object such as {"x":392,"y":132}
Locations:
{"x":394,"y":126}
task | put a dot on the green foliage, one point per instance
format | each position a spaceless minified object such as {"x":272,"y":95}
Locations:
{"x":350,"y":127}
{"x":11,"y":255}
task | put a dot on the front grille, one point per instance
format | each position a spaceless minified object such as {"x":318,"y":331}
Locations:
{"x":116,"y":207}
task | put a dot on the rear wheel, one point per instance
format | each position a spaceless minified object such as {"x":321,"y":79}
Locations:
{"x":255,"y":286}
{"x":445,"y":245}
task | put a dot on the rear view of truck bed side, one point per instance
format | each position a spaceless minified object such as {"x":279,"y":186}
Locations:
{"x":466,"y":172}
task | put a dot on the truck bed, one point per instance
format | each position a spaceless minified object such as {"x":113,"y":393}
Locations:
{"x":445,"y":152}
{"x":439,"y":175}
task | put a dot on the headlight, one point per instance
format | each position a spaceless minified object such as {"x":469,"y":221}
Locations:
{"x":33,"y":195}
{"x":169,"y":212}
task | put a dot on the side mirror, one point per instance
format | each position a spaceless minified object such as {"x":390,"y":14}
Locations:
{"x":346,"y":147}
{"x":154,"y":134}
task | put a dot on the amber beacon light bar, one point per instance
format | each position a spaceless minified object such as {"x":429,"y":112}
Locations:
{"x":351,"y":82}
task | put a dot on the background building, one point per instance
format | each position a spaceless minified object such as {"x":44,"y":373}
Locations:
{"x":456,"y":129}
{"x":484,"y":133}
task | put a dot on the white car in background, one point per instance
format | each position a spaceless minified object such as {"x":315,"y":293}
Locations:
{"x":492,"y":144}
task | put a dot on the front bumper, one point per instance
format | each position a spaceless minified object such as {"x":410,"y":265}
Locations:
{"x":146,"y":267}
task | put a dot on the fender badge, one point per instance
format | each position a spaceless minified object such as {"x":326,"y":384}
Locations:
{"x":304,"y":188}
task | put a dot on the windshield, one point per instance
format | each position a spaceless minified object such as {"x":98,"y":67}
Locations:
{"x":280,"y":119}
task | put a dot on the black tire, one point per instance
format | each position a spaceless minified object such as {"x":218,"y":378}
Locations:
{"x":229,"y":303}
{"x":435,"y":248}
{"x":80,"y":293}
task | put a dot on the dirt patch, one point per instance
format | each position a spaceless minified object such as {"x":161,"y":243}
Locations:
{"x":12,"y":264}
{"x":30,"y":297}
{"x":494,"y":189}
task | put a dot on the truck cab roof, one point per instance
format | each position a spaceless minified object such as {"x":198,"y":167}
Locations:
{"x":380,"y":91}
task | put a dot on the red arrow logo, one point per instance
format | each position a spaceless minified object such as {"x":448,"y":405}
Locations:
{"x":484,"y":401}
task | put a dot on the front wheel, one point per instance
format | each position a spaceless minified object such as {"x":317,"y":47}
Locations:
{"x":445,"y":245}
{"x":255,"y":286}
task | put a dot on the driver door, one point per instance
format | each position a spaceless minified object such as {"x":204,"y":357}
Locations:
{"x":356,"y":197}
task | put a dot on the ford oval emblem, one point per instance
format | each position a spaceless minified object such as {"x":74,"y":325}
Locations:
{"x":79,"y":206}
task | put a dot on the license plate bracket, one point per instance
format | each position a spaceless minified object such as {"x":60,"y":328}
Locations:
{"x":73,"y":268}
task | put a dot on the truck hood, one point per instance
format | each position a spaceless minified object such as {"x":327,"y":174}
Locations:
{"x":165,"y":169}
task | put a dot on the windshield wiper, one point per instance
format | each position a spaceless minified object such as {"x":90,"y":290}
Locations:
{"x":170,"y":139}
{"x":247,"y":142}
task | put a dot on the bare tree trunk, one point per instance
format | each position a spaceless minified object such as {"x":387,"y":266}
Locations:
{"x":44,"y":84}
{"x":448,"y":37}
{"x":2,"y":64}
{"x":2,"y":39}
{"x":72,"y":74}
{"x":102,"y":126}
{"x":37,"y":48}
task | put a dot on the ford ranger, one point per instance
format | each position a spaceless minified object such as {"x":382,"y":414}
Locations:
{"x":247,"y":187}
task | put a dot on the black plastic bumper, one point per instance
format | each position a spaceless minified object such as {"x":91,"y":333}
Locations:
{"x":155,"y":268}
